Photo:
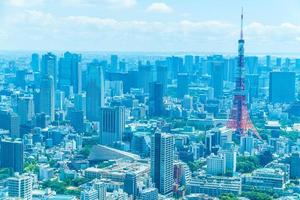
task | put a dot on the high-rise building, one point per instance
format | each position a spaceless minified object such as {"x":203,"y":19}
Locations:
{"x":48,"y":67}
{"x":112,"y":125}
{"x":182,"y":85}
{"x":145,"y":76}
{"x":10,"y":121}
{"x":282,"y":87}
{"x":162,"y":77}
{"x":130,"y":184}
{"x":94,"y":91}
{"x":25,"y":109}
{"x":295,"y":163}
{"x":20,"y":187}
{"x":162,"y":158}
{"x":35,"y":62}
{"x":12,"y":154}
{"x":217,"y":78}
{"x":114,"y":63}
{"x":156,"y":105}
{"x":188,"y":64}
{"x":70,"y":72}
{"x":47,"y":98}
{"x":229,"y":153}
{"x":252,"y":86}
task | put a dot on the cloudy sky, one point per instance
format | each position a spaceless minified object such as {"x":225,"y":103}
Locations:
{"x":271,"y":26}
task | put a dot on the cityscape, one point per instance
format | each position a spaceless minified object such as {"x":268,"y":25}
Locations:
{"x":79,"y":123}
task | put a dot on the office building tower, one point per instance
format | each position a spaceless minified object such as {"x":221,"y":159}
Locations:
{"x":148,"y":194}
{"x":282,"y":87}
{"x":59,"y":100}
{"x":12,"y":154}
{"x":47,"y":98}
{"x":10,"y":121}
{"x":294,"y":165}
{"x":251,"y":64}
{"x":80,"y":102}
{"x":94,"y":91}
{"x":217,"y":78}
{"x":247,"y":144}
{"x":156,"y":104}
{"x":182,"y":85}
{"x":230,"y":159}
{"x":35,"y":62}
{"x":77,"y":120}
{"x":188,"y":64}
{"x":20,"y":80}
{"x":216,"y":165}
{"x":48,"y":67}
{"x":100,"y":187}
{"x":268,"y":61}
{"x":122,"y":66}
{"x":112,"y":125}
{"x":162,"y":77}
{"x":130,"y":184}
{"x":252,"y":86}
{"x":145,"y":76}
{"x":20,"y":187}
{"x":114,"y":63}
{"x":70,"y":73}
{"x":187,"y":102}
{"x":278,"y":62}
{"x":25,"y":109}
{"x":89,"y":194}
{"x":162,"y":157}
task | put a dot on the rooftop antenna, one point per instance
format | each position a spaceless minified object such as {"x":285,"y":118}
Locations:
{"x":242,"y":23}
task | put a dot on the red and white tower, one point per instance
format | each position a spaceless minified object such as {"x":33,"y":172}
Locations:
{"x":239,"y":117}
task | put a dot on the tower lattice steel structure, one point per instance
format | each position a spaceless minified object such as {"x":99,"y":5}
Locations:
{"x":239,"y":117}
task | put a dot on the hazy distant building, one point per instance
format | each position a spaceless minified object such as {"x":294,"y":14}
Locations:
{"x":94,"y":90}
{"x":35,"y":62}
{"x":48,"y":66}
{"x":25,"y":109}
{"x":10,"y":121}
{"x":282,"y":87}
{"x":47,"y":98}
{"x":182,"y":85}
{"x":156,"y":105}
{"x":217,"y":78}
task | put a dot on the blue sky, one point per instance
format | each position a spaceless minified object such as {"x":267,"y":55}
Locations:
{"x":271,"y":26}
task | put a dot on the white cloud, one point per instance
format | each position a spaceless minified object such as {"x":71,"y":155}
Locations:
{"x":24,"y":3}
{"x":159,"y":8}
{"x":123,"y":3}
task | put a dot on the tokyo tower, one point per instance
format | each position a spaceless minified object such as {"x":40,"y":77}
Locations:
{"x":239,"y":117}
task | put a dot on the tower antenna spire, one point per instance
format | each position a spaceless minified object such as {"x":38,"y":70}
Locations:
{"x":242,"y":22}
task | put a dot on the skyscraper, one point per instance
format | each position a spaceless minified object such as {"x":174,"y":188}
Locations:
{"x":48,"y":66}
{"x":114,"y":63}
{"x":70,"y":72}
{"x":10,"y":121}
{"x":25,"y":109}
{"x":47,"y":98}
{"x":162,"y":157}
{"x":217,"y":78}
{"x":112,"y":125}
{"x":20,"y":187}
{"x":95,"y":90}
{"x":156,"y":106}
{"x":12,"y":154}
{"x":182,"y":84}
{"x":35,"y":62}
{"x":282,"y":87}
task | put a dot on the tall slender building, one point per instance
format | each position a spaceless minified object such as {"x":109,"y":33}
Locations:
{"x":47,"y":98}
{"x":94,"y":91}
{"x":156,"y":106}
{"x":162,"y":158}
{"x":239,"y":117}
{"x":48,"y":66}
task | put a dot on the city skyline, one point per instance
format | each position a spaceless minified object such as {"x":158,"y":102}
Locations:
{"x":161,"y":26}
